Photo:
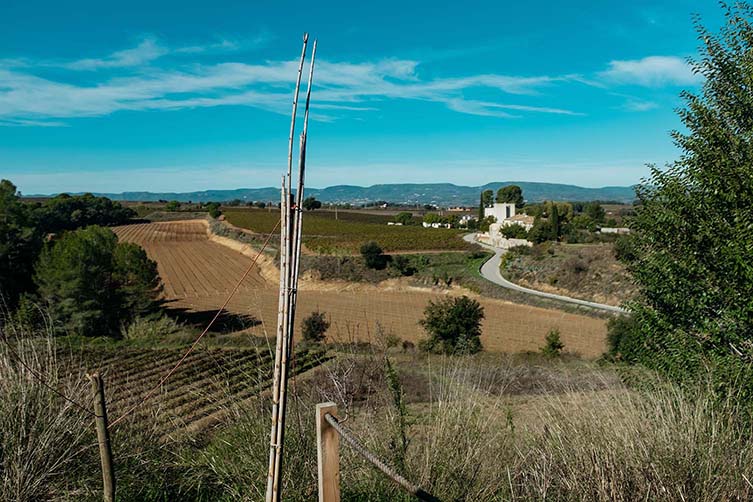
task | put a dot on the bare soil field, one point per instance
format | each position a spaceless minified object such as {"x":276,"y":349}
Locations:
{"x":199,"y":273}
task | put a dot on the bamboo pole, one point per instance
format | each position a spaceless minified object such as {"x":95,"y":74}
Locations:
{"x":299,"y":191}
{"x":279,"y":393}
{"x":278,"y":344}
{"x":103,"y":437}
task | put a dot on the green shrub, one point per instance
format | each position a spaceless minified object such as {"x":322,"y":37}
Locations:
{"x":157,"y":329}
{"x":314,"y":327}
{"x":514,"y":231}
{"x":453,"y":325}
{"x":553,"y":344}
{"x":373,"y":256}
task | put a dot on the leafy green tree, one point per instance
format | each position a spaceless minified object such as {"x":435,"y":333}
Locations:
{"x":373,"y":256}
{"x":310,"y":203}
{"x":65,"y":212}
{"x":20,"y":242}
{"x":432,"y":218}
{"x":453,"y":325}
{"x":514,"y":231}
{"x":583,"y":222}
{"x":314,"y":327}
{"x":511,"y":194}
{"x":91,"y":284}
{"x":213,"y":208}
{"x":172,"y":206}
{"x":594,"y":211}
{"x":404,"y":217}
{"x":693,"y":227}
{"x":541,"y":231}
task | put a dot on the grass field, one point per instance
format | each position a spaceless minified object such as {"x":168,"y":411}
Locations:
{"x":198,"y":274}
{"x":323,"y":234}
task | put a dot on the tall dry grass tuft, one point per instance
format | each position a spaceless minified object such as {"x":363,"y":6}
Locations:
{"x":664,"y":444}
{"x":41,"y":434}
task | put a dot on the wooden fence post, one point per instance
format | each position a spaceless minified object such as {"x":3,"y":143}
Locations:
{"x":103,"y":437}
{"x":328,"y":454}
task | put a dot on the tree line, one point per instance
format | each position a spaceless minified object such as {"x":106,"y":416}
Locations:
{"x":59,"y":257}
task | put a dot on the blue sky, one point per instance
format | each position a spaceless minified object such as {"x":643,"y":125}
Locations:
{"x":182,"y":96}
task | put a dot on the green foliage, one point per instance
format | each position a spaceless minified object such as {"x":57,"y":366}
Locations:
{"x":403,"y":265}
{"x":583,"y":222}
{"x":20,"y":242}
{"x":625,"y":248}
{"x":511,"y":194}
{"x":314,"y":327}
{"x":541,"y":231}
{"x":91,"y":284}
{"x":453,"y":325}
{"x":514,"y":231}
{"x":310,"y":203}
{"x":66,"y":212}
{"x":172,"y":206}
{"x":322,"y":233}
{"x":483,"y":225}
{"x":405,"y":218}
{"x":693,"y":259}
{"x":213,"y":209}
{"x":373,"y":256}
{"x":152,"y":329}
{"x":553,"y":344}
{"x":594,"y":211}
{"x":487,"y":199}
{"x":431,"y":218}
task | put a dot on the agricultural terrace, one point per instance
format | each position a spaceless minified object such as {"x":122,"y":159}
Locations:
{"x":198,"y":393}
{"x":324,"y":234}
{"x":198,"y":274}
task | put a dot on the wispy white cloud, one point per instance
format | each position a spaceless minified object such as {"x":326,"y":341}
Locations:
{"x":651,"y":71}
{"x":27,"y":98}
{"x":146,"y":51}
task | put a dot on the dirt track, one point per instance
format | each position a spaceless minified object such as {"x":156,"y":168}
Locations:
{"x":199,"y":273}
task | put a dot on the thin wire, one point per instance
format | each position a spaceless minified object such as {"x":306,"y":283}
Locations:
{"x":196,"y":342}
{"x":41,"y":378}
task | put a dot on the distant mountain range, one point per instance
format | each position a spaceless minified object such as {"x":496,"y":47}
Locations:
{"x":441,"y":194}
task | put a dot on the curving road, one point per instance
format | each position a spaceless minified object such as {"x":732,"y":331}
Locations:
{"x":490,"y":271}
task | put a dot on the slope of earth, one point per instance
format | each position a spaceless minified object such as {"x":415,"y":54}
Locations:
{"x":198,"y":274}
{"x":585,"y":271}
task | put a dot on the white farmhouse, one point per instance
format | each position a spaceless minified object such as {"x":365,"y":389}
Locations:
{"x":500,"y":211}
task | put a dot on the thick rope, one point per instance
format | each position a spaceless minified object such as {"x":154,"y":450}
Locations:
{"x":196,"y":342}
{"x":390,"y":472}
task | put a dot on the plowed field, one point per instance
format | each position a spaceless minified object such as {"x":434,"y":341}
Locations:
{"x":199,"y":273}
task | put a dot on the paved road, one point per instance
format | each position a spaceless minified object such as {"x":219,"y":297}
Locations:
{"x":490,"y":271}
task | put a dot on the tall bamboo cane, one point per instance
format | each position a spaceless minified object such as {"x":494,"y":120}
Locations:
{"x":281,"y":346}
{"x":298,"y":229}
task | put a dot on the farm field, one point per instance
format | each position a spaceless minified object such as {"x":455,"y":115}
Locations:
{"x":199,"y":273}
{"x":197,"y":394}
{"x":324,"y":234}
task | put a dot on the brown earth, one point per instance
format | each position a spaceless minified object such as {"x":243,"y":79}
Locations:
{"x":199,"y":273}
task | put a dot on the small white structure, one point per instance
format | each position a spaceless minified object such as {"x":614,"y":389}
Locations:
{"x":501,"y":211}
{"x":614,"y":230}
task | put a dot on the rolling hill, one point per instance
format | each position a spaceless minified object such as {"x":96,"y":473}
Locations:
{"x":443,"y":194}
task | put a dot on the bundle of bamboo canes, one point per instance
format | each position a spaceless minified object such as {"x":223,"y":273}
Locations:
{"x":290,"y":252}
